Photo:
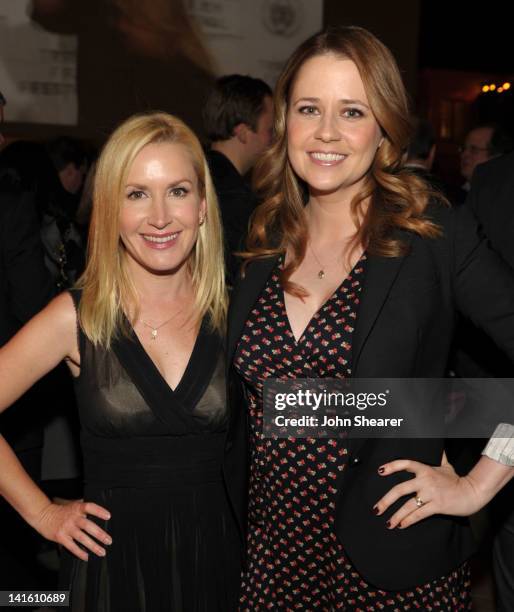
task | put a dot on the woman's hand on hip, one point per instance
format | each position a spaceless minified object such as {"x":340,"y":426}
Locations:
{"x":70,"y":526}
{"x":433,"y":490}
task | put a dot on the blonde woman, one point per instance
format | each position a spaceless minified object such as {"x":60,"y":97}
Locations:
{"x":142,"y":335}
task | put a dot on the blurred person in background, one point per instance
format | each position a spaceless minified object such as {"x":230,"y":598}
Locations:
{"x":482,"y":143}
{"x":238,"y":120}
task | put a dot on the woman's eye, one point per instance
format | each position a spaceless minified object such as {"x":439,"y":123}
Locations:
{"x":179,"y":192}
{"x":308,"y":110}
{"x":136,"y":195}
{"x":353,"y":113}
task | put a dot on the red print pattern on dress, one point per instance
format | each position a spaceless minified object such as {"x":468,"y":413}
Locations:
{"x":295,"y":561}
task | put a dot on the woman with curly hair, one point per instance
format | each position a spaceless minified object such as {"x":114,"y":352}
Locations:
{"x":355,"y":268}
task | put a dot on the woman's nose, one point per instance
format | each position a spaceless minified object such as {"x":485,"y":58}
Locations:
{"x":328,"y":129}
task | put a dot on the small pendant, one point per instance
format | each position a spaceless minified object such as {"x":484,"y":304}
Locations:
{"x":154,"y":334}
{"x":321,"y":274}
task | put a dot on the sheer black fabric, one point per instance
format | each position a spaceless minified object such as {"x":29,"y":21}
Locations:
{"x":152,"y":457}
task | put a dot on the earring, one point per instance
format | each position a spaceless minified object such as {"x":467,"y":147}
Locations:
{"x":202,"y":219}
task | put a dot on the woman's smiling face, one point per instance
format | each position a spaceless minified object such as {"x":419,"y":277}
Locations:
{"x":162,"y":208}
{"x":332,"y":134}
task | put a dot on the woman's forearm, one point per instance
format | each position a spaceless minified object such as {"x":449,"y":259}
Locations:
{"x":18,"y":488}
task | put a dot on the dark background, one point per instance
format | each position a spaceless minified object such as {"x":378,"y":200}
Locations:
{"x":437,"y":45}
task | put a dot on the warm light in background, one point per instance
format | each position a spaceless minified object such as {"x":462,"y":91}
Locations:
{"x":498,"y":89}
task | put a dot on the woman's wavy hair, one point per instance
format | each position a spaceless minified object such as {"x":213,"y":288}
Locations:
{"x":107,"y":289}
{"x":398,"y":197}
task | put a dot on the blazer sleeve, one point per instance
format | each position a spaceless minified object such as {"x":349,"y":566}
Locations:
{"x":483,"y":284}
{"x":484,"y":292}
{"x":28,"y":282}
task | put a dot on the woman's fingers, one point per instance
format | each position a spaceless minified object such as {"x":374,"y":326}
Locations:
{"x":419,"y":514}
{"x":95,"y":510}
{"x":405,"y":488}
{"x":411,"y":512}
{"x":93,"y":529}
{"x":81,"y":536}
{"x":401,"y":465}
{"x":70,"y":526}
{"x":409,"y":487}
{"x":69,"y":543}
{"x":433,"y":490}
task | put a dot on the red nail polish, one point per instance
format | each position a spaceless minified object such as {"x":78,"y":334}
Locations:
{"x":380,"y":470}
{"x":375,"y":509}
{"x":388,"y":523}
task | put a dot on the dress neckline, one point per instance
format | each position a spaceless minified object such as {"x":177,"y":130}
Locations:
{"x":174,"y":407}
{"x":323,"y":306}
{"x":151,"y":363}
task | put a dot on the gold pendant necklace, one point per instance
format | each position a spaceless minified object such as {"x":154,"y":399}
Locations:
{"x":155,"y":328}
{"x":321,"y":273}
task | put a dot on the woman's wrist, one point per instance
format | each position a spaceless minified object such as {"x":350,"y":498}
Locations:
{"x":34,"y":516}
{"x":488,"y":477}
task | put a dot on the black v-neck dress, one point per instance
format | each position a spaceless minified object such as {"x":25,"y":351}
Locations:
{"x":152,"y":458}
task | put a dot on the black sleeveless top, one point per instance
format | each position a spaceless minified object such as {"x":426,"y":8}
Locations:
{"x":153,"y":457}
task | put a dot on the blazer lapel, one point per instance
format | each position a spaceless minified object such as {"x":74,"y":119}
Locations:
{"x":243,"y":298}
{"x":381,"y":272}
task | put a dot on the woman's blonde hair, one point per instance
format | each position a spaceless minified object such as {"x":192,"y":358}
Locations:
{"x":106,"y":285}
{"x":398,"y":197}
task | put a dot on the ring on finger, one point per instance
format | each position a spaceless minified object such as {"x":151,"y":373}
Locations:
{"x":419,"y":501}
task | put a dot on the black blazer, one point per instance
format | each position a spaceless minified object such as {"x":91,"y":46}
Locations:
{"x":404,"y":329}
{"x":491,"y":199}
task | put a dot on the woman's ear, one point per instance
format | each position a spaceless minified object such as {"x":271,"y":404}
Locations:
{"x":203,"y":212}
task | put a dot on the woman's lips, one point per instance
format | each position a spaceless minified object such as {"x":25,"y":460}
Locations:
{"x":322,"y":158}
{"x":160,"y":241}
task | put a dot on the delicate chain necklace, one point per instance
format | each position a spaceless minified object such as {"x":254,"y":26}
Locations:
{"x":155,"y":328}
{"x":321,"y":273}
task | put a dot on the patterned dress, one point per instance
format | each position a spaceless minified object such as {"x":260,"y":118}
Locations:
{"x":295,"y":561}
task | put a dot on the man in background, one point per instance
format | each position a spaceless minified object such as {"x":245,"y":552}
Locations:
{"x":70,"y":161}
{"x":482,"y":143}
{"x":238,"y":120}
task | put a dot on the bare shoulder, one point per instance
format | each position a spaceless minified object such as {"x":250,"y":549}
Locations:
{"x":53,"y":329}
{"x":37,"y":348}
{"x":63,"y":308}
